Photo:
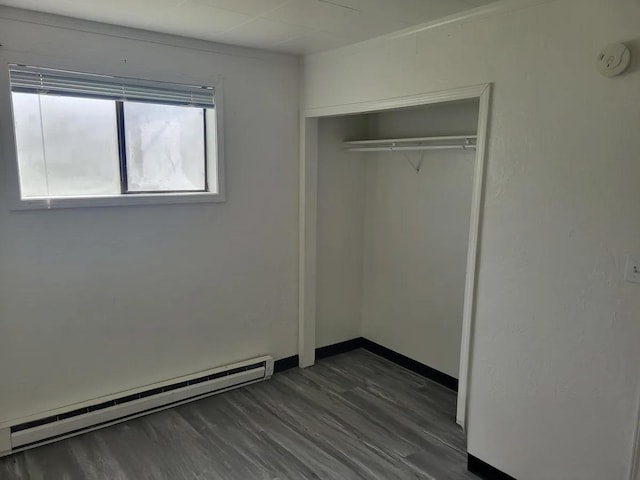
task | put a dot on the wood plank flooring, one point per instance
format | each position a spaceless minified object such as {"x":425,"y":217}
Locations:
{"x":353,"y":416}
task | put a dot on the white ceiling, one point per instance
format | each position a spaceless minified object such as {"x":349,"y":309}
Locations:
{"x":292,"y":26}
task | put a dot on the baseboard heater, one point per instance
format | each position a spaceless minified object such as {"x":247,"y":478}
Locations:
{"x":80,"y":418}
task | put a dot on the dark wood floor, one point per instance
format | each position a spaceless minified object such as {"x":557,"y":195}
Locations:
{"x":353,"y":416}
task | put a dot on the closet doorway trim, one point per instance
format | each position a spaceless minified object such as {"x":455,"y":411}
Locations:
{"x":308,"y":188}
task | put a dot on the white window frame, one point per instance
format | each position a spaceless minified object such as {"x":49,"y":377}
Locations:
{"x":215,"y":143}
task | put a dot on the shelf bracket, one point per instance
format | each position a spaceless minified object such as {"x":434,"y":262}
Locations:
{"x":468,"y":145}
{"x":416,"y":166}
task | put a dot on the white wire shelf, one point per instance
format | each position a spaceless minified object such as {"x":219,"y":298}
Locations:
{"x":457,"y":142}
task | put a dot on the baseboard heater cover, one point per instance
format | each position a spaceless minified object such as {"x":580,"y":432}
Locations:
{"x":81,"y":418}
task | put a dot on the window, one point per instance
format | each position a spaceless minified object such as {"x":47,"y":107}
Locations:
{"x":82,"y":136}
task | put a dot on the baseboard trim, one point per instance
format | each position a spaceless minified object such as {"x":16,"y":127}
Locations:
{"x":348,"y":345}
{"x":285,"y":363}
{"x":484,"y":470}
{"x":391,"y":355}
{"x":410,"y":364}
{"x":338,"y":348}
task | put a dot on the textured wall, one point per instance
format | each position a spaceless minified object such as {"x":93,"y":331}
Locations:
{"x":95,"y":301}
{"x":555,"y":372}
{"x":417,"y":236}
{"x":340,"y":231}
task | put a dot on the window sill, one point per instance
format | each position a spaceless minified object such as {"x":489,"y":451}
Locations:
{"x":118,"y":200}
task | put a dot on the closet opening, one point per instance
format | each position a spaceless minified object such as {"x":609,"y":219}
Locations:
{"x":390,"y":196}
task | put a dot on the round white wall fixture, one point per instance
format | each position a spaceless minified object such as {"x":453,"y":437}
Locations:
{"x":614,"y":59}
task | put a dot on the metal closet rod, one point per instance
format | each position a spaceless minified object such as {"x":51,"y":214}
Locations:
{"x":413,"y":139}
{"x":455,"y":142}
{"x":411,"y":148}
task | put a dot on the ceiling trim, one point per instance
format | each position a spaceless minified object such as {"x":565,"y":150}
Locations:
{"x":499,"y":7}
{"x":117,"y":31}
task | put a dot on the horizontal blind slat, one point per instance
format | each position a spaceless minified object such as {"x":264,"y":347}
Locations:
{"x":46,"y":81}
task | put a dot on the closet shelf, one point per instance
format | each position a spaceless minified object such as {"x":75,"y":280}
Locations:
{"x":457,"y":142}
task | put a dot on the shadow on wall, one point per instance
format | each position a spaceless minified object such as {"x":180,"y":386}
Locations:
{"x":634,"y":47}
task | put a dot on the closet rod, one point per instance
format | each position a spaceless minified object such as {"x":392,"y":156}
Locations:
{"x":411,"y":148}
{"x":447,"y":138}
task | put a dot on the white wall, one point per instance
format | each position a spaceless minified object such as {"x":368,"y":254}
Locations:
{"x":94,"y":301}
{"x":340,"y":231}
{"x":392,"y":244}
{"x":416,"y":237}
{"x":556,"y":363}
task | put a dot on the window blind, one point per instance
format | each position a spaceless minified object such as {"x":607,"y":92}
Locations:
{"x":46,"y":81}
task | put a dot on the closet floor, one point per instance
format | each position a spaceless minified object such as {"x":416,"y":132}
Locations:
{"x":352,"y":416}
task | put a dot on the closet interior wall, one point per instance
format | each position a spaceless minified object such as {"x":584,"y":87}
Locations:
{"x":340,"y":231}
{"x":417,"y":235}
{"x":392,"y":242}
